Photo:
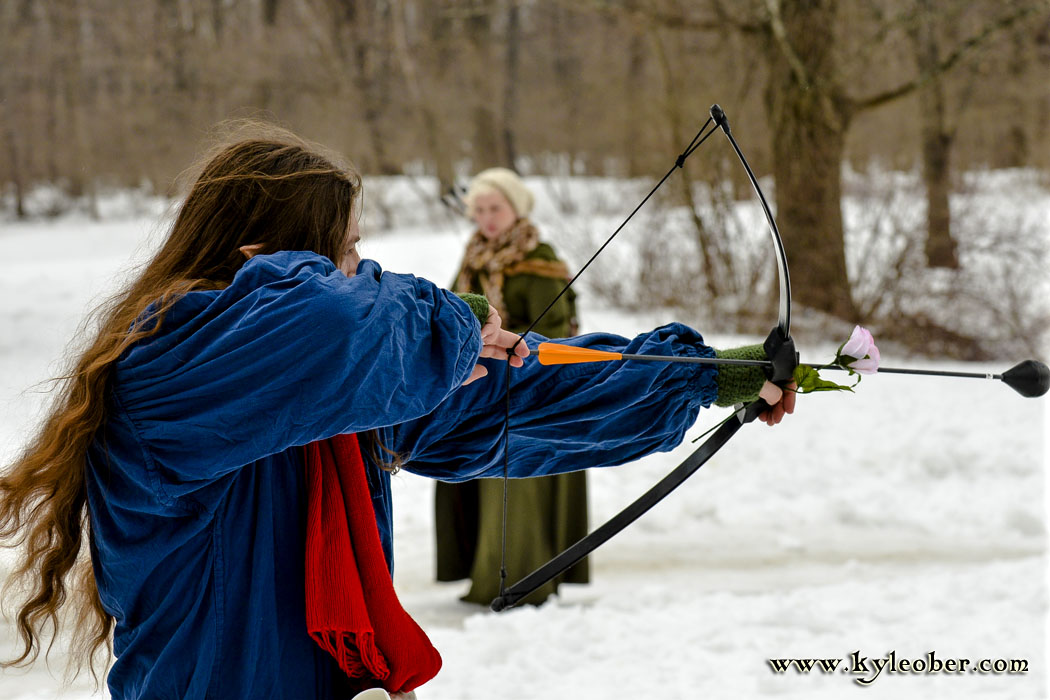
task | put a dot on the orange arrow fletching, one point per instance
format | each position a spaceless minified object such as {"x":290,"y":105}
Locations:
{"x":554,"y":354}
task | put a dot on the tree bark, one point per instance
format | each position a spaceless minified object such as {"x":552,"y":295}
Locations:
{"x":567,"y":69}
{"x":809,"y":119}
{"x":674,"y":119}
{"x":1015,"y":150}
{"x":15,"y":171}
{"x":510,"y":86}
{"x":936,"y":144}
{"x":269,"y":10}
{"x":369,"y":32}
{"x":434,"y":136}
{"x":941,"y":250}
{"x":72,"y":29}
{"x":486,"y":141}
{"x":633,"y":116}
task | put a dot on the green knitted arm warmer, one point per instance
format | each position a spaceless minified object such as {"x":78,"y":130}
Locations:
{"x":479,"y":305}
{"x":738,"y":384}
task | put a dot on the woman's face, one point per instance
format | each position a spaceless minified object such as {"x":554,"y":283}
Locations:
{"x":493,"y":214}
{"x":351,"y":257}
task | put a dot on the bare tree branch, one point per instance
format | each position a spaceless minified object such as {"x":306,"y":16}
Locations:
{"x":950,"y":61}
{"x":776,"y":25}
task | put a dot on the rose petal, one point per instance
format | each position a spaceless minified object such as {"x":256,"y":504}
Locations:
{"x":868,"y":365}
{"x":859,"y":343}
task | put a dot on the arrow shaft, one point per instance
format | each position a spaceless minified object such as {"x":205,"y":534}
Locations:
{"x":767,"y":363}
{"x":923,"y":372}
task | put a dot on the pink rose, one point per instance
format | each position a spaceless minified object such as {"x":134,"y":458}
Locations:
{"x":859,"y":343}
{"x":869,"y":364}
{"x":860,"y":348}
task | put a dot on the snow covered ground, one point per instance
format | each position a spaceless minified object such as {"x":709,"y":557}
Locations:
{"x":909,"y":517}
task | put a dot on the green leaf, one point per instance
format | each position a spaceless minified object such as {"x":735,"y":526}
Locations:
{"x":809,"y":381}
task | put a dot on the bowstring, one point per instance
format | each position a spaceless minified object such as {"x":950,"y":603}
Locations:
{"x":679,"y":163}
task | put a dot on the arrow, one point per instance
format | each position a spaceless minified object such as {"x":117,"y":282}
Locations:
{"x":555,"y":354}
{"x":1028,"y":378}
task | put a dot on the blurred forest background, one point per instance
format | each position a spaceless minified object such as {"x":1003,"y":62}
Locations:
{"x":100,"y":94}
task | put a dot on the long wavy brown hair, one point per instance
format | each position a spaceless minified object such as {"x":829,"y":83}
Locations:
{"x":259,"y":185}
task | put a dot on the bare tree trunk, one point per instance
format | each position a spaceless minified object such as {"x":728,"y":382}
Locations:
{"x":567,"y":74}
{"x":936,"y":173}
{"x":269,"y":9}
{"x":1015,"y":151}
{"x":675,"y":121}
{"x":633,"y":112}
{"x":510,"y":87}
{"x":368,"y":31}
{"x":14,"y":165}
{"x":355,"y":39}
{"x":481,"y":57}
{"x":936,"y":144}
{"x":809,"y":120}
{"x":71,"y":30}
{"x":14,"y":169}
{"x":440,"y":153}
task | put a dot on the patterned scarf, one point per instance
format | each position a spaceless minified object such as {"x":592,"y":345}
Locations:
{"x":487,"y":263}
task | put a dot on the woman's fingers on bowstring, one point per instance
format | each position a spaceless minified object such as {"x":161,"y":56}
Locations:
{"x":505,"y":341}
{"x":498,"y":351}
{"x":496,"y":341}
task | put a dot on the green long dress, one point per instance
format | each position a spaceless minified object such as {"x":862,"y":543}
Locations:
{"x":545,"y":514}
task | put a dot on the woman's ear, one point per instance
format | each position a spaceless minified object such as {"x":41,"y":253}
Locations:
{"x":250,"y":250}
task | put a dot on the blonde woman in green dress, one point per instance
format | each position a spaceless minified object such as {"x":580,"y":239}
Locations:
{"x":520,"y":275}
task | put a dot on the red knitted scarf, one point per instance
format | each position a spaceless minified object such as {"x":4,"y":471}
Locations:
{"x":351,"y":608}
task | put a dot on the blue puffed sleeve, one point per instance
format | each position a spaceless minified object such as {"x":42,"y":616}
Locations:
{"x":291,"y":352}
{"x":565,"y":417}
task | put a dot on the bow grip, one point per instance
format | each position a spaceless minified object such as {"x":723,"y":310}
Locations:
{"x":780,"y":349}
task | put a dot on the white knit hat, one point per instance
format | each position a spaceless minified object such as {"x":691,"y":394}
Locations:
{"x":508,"y":183}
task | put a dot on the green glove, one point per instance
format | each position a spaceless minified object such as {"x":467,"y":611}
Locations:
{"x":478,"y":304}
{"x":740,"y":384}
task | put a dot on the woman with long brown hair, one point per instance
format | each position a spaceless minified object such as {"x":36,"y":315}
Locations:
{"x":196,"y":497}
